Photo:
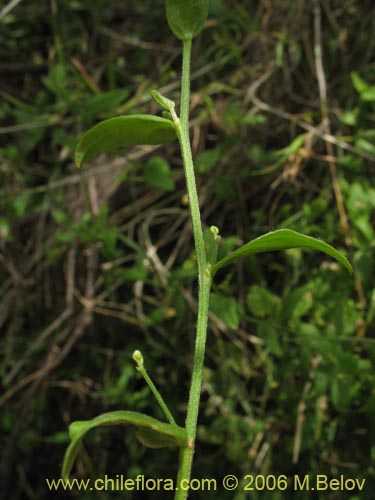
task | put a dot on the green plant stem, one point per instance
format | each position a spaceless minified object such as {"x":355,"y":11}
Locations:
{"x":185,"y":85}
{"x":184,"y":139}
{"x":187,"y":453}
{"x":157,"y":394}
{"x":204,"y":279}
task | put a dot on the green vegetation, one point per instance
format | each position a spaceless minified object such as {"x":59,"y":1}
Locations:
{"x":98,"y":263}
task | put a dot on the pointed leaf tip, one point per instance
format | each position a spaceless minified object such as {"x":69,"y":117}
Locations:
{"x":123,"y":131}
{"x":282,"y":239}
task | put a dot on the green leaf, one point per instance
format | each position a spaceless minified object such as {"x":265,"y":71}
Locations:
{"x":186,"y":17}
{"x":205,"y":161}
{"x":226,"y":309}
{"x":56,"y":80}
{"x":293,"y":147}
{"x":137,"y":272}
{"x":359,"y":84}
{"x":124,"y":131}
{"x":341,"y":391}
{"x":297,"y":304}
{"x":367,"y":146}
{"x":157,"y":173}
{"x":279,"y":52}
{"x":152,"y":439}
{"x":20,"y":203}
{"x":227,"y":246}
{"x":350,"y":117}
{"x":163,"y":101}
{"x":369,"y":94}
{"x":151,"y":432}
{"x":104,"y":103}
{"x":282,"y":239}
{"x":270,"y":334}
{"x":261,"y":302}
{"x":211,"y":242}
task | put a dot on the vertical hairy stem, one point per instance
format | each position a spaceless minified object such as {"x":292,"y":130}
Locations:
{"x":184,"y":139}
{"x":204,"y":280}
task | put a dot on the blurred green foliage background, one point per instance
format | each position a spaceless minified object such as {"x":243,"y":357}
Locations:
{"x":97,"y":262}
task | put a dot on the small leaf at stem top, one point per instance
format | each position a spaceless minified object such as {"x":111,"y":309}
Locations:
{"x":186,"y":17}
{"x":282,"y":239}
{"x":123,"y":131}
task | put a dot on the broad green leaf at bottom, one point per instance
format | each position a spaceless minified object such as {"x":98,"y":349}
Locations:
{"x":151,"y":433}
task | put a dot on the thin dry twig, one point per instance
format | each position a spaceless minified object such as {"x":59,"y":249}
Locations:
{"x":326,"y":125}
{"x":317,"y":131}
{"x":302,"y":407}
{"x":8,"y":8}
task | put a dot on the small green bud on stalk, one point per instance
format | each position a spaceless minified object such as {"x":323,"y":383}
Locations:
{"x":215,"y":233}
{"x":163,"y":102}
{"x":138,"y":358}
